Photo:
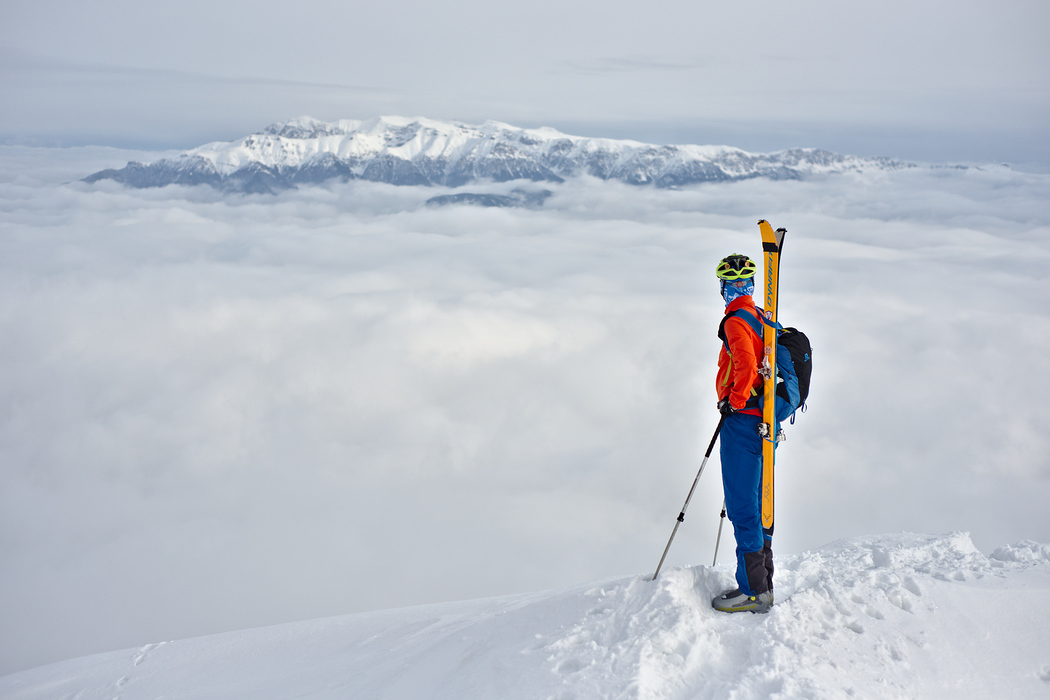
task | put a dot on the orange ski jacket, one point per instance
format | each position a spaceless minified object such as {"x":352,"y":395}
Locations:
{"x":738,"y":376}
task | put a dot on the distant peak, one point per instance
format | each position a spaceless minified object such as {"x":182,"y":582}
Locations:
{"x":420,"y":151}
{"x":299,"y":128}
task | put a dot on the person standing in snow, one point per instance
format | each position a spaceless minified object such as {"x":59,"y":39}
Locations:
{"x":739,"y":387}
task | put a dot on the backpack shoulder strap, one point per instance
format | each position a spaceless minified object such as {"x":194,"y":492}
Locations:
{"x":755,"y":324}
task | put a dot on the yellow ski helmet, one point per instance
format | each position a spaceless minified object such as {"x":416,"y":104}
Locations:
{"x":736,"y":267}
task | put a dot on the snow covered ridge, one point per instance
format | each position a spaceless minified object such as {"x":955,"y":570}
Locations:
{"x":402,"y":151}
{"x":895,"y":616}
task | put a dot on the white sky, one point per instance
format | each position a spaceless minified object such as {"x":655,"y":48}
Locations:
{"x":938,"y":81}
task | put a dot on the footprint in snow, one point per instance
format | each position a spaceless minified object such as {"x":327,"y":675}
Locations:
{"x":144,"y":651}
{"x":568,"y":666}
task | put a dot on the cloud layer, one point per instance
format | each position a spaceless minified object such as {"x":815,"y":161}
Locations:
{"x":221,"y":413}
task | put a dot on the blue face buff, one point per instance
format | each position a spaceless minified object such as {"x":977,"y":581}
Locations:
{"x":737,"y":288}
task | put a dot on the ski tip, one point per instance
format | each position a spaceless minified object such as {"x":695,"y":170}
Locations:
{"x":762,"y":221}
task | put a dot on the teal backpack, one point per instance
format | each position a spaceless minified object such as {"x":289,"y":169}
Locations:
{"x":794,"y":364}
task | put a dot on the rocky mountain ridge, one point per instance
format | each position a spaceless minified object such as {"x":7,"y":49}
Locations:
{"x":417,"y":151}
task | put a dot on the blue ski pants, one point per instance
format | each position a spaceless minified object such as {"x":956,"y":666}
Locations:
{"x":740,"y":449}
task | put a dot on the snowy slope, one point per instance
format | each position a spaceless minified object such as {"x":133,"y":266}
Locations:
{"x":418,"y":151}
{"x":891,"y":616}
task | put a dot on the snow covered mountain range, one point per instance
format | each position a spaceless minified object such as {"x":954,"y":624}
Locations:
{"x":403,"y":151}
{"x":894,"y":616}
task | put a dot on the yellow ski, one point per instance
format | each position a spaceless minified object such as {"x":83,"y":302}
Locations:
{"x":772,"y":242}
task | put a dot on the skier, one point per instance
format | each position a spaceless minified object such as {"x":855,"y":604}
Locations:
{"x":739,"y":387}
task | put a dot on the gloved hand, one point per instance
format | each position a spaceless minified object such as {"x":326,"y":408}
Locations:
{"x":725,"y":408}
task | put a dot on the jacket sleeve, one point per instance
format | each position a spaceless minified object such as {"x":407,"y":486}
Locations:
{"x":741,"y":374}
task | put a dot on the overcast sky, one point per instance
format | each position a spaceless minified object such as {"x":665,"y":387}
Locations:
{"x":928,"y":80}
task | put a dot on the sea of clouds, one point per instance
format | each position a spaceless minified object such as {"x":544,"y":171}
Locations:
{"x":221,"y":412}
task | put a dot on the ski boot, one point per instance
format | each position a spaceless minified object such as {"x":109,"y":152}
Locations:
{"x":737,"y":601}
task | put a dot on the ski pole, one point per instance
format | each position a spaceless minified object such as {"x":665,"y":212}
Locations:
{"x":681,"y":516}
{"x":721,"y":520}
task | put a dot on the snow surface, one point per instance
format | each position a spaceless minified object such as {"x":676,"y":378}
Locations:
{"x":894,"y":616}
